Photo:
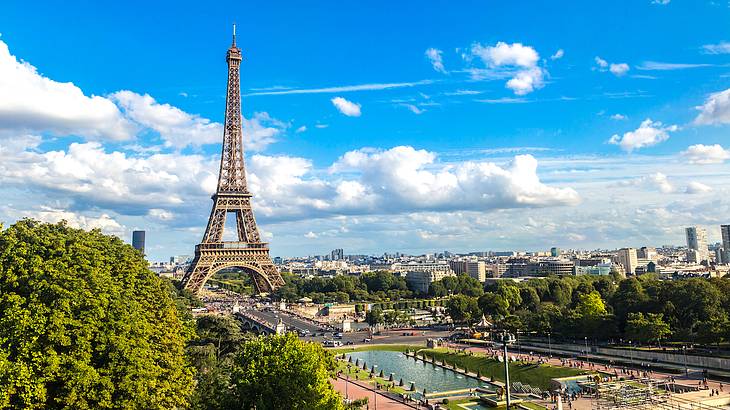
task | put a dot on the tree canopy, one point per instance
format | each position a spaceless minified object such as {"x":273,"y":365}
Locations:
{"x":85,"y":325}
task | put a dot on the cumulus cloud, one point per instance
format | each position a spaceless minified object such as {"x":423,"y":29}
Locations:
{"x":618,"y":117}
{"x":519,"y":61}
{"x":656,"y":181}
{"x":104,"y":222}
{"x":33,"y":103}
{"x":706,"y":154}
{"x":346,"y":107}
{"x":695,"y":187}
{"x":617,"y":69}
{"x":648,"y":134}
{"x":715,"y":110}
{"x":558,"y":55}
{"x":180,"y":129}
{"x":301,"y":129}
{"x":437,"y":62}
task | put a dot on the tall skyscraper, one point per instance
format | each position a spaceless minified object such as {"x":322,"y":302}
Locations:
{"x":138,"y":240}
{"x":697,"y":250}
{"x":337,"y":254}
{"x":725,"y":231}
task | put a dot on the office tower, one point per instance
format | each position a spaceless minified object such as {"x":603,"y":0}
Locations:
{"x":138,"y":240}
{"x":337,"y":254}
{"x":554,"y":252}
{"x":628,"y":259}
{"x":647,"y":253}
{"x":697,"y":250}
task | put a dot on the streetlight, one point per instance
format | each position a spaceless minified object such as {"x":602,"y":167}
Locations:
{"x":506,"y":339}
{"x":550,"y":346}
{"x":587,"y":359}
{"x":686,"y":370}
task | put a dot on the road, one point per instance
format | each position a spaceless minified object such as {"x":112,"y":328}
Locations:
{"x":319,"y":334}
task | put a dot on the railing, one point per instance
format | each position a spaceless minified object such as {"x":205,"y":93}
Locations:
{"x":233,"y":245}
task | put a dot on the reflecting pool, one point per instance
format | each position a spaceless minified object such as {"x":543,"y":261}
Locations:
{"x":425,"y":375}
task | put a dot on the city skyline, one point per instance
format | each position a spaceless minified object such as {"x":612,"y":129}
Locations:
{"x":498,"y":132}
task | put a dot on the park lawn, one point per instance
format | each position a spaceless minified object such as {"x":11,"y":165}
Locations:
{"x":532,"y":374}
{"x":395,"y":348}
{"x":364,"y":376}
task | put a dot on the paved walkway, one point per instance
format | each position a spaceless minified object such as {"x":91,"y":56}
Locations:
{"x":376,"y":400}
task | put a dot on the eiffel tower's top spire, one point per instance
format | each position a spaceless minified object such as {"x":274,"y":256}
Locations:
{"x":234,"y":35}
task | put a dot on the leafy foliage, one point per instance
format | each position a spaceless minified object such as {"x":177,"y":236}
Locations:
{"x":85,"y":325}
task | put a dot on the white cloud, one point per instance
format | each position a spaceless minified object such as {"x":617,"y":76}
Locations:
{"x":706,"y":154}
{"x":33,"y":103}
{"x":649,"y":133}
{"x":104,"y":222}
{"x":558,"y":55}
{"x":345,"y":88}
{"x":310,"y":235}
{"x":661,"y":2}
{"x":618,"y":117}
{"x":434,"y":56}
{"x":346,"y":107}
{"x":321,"y":126}
{"x":414,"y":109}
{"x":161,"y":214}
{"x":619,"y":69}
{"x":301,"y":129}
{"x":715,"y":110}
{"x":519,"y":60}
{"x":662,"y":66}
{"x":601,"y":62}
{"x":719,"y":48}
{"x":656,"y":181}
{"x":695,"y":187}
{"x":179,"y":129}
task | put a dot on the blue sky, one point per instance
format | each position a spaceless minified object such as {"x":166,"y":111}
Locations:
{"x":377,"y":126}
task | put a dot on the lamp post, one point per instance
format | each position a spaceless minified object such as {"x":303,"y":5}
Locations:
{"x":506,"y":339}
{"x":686,"y":370}
{"x":586,"y":340}
{"x":631,"y":353}
{"x":550,"y":346}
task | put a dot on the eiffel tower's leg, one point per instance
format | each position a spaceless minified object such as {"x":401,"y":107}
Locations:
{"x":247,"y":229}
{"x":216,"y":225}
{"x":197,"y":273}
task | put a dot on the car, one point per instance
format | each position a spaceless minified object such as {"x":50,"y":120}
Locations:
{"x":338,"y":335}
{"x":367,"y":340}
{"x":349,"y":342}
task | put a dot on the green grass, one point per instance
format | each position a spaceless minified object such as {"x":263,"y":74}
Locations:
{"x":364,"y":376}
{"x":395,"y":348}
{"x":532,"y":374}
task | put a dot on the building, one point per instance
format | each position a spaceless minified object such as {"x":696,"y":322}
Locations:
{"x":138,"y":240}
{"x":337,"y":254}
{"x":697,"y":250}
{"x":556,"y":267}
{"x":647,"y":253}
{"x":554,"y":252}
{"x":725,"y":231}
{"x":602,"y":269}
{"x":458,"y":266}
{"x":477,"y":270}
{"x":420,"y":281}
{"x":495,"y":270}
{"x":627,"y":258}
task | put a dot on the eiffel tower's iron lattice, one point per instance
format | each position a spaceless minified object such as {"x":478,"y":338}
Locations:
{"x":232,"y":197}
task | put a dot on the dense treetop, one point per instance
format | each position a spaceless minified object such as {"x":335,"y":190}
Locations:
{"x":85,"y":325}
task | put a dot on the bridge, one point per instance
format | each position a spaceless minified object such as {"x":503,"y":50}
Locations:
{"x":257,"y":325}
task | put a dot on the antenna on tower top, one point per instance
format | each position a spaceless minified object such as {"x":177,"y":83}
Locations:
{"x":234,"y":34}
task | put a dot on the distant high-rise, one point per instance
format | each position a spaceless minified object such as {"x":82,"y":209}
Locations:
{"x":725,"y":231}
{"x":697,"y":250}
{"x":138,"y":240}
{"x":337,"y":254}
{"x":628,"y":259}
{"x":554,"y":252}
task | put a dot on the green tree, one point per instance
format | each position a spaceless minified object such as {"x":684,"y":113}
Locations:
{"x":493,"y":305}
{"x":374,"y":316}
{"x":85,"y":325}
{"x":646,"y":328}
{"x":282,"y":372}
{"x":591,"y":305}
{"x":463,"y":309}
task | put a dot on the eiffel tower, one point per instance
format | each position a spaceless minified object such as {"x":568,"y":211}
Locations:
{"x":232,"y":197}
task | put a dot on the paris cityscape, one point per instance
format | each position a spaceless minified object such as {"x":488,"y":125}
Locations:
{"x":467,"y":205}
